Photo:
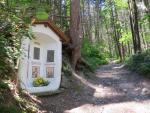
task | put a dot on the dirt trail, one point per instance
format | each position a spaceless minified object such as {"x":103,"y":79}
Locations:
{"x":112,"y":90}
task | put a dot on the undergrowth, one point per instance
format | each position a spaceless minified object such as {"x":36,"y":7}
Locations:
{"x":140,"y":63}
{"x":16,"y":102}
{"x":93,"y":55}
{"x":7,"y":102}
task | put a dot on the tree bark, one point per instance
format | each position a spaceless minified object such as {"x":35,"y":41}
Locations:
{"x":134,"y":25}
{"x":116,"y":32}
{"x":75,"y":32}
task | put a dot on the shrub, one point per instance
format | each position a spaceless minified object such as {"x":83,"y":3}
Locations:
{"x":140,"y":63}
{"x":39,"y":81}
{"x":3,"y":85}
{"x":42,"y":15}
{"x":12,"y":29}
{"x":92,"y":54}
{"x":144,"y":68}
{"x":10,"y":109}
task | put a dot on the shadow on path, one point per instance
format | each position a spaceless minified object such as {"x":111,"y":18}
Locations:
{"x":112,"y":90}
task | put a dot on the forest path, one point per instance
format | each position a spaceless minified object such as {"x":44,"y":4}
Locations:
{"x":112,"y":90}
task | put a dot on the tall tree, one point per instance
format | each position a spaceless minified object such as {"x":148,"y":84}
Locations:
{"x":134,"y":25}
{"x":75,"y":32}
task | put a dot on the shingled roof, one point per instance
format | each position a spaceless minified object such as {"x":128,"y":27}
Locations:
{"x":52,"y":26}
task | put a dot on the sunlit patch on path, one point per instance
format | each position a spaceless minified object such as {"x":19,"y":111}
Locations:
{"x":113,"y":89}
{"x":116,"y":90}
{"x":126,"y":107}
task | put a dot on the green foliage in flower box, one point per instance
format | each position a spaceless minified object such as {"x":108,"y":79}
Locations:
{"x":39,"y":81}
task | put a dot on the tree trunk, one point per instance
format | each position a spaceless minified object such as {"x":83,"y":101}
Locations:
{"x":134,"y":25}
{"x":116,"y":32}
{"x":75,"y":32}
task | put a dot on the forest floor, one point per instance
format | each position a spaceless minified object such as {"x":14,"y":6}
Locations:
{"x":113,"y":89}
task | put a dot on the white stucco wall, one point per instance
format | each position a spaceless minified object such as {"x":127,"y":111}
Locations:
{"x":48,"y":40}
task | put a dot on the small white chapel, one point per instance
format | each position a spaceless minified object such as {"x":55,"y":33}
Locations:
{"x":42,"y":57}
